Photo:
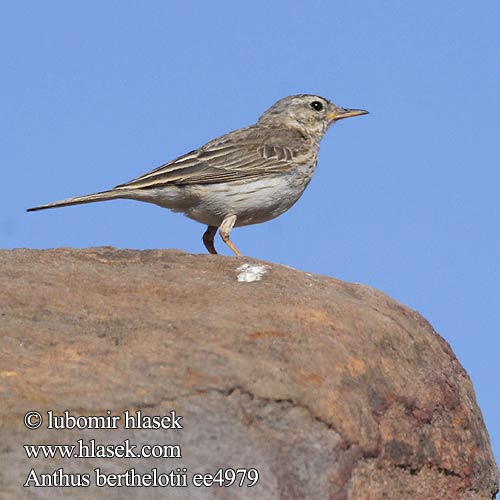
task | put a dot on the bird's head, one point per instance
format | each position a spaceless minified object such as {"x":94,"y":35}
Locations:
{"x":312,"y":113}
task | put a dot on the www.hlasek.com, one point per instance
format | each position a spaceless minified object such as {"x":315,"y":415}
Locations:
{"x":90,"y":449}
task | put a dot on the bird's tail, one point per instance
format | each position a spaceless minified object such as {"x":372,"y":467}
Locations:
{"x":77,"y":200}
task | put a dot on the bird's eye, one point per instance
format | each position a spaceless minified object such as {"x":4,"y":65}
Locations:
{"x":316,"y":105}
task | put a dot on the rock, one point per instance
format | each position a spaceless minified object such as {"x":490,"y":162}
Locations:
{"x":330,"y":390}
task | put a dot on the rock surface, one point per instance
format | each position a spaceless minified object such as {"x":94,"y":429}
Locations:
{"x":331,"y":390}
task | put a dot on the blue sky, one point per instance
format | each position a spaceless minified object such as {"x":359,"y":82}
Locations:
{"x":404,"y":199}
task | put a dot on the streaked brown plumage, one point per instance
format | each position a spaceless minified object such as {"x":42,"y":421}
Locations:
{"x":247,"y":176}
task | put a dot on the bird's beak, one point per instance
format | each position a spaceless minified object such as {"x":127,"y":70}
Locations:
{"x":345,"y":113}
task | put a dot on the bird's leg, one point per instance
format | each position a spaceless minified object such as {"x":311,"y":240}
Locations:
{"x":208,"y":239}
{"x":225,"y":231}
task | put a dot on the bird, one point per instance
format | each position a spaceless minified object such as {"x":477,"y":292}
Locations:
{"x":247,"y":176}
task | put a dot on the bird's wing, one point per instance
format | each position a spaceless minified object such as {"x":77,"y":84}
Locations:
{"x":243,"y":154}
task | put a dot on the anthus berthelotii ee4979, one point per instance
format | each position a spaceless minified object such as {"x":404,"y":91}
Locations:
{"x":245,"y":177}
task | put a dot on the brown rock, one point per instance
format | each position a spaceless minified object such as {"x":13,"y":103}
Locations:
{"x":331,"y":390}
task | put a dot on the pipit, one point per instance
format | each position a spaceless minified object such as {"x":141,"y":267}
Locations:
{"x":248,"y":176}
